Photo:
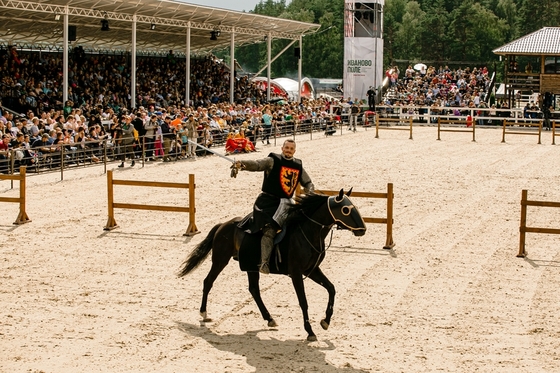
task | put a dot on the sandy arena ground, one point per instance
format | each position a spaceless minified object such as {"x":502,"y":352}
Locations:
{"x":450,"y":297}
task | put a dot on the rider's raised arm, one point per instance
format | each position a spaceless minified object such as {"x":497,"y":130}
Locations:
{"x":264,"y":164}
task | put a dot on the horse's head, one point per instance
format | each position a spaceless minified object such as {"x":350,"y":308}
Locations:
{"x":345,"y":214}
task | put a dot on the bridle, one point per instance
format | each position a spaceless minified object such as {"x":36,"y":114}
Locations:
{"x":321,"y":250}
{"x":344,"y":211}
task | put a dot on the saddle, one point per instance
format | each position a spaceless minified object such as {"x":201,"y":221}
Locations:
{"x":249,"y":255}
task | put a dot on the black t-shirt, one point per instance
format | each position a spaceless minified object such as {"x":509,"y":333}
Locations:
{"x":139,"y":126}
{"x":284,"y":177}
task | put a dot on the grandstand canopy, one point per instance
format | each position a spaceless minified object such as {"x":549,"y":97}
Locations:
{"x":545,"y":41}
{"x":161,"y":25}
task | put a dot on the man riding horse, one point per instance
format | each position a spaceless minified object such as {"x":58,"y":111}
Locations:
{"x":282,"y":173}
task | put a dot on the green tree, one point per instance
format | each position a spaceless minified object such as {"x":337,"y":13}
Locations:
{"x":423,"y":30}
{"x":474,"y":32}
{"x":408,"y":40}
{"x":534,"y":15}
{"x":435,"y":42}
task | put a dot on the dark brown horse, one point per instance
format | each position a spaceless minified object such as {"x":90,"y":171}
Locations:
{"x":301,"y":250}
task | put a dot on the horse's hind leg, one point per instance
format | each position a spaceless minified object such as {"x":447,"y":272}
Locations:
{"x":319,"y":277}
{"x":217,"y":267}
{"x":255,"y":291}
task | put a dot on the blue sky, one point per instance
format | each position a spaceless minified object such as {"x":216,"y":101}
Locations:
{"x":238,"y":5}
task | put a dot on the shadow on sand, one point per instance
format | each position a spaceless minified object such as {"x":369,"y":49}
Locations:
{"x":270,"y":355}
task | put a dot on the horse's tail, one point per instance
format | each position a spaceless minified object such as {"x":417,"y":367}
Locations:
{"x":199,"y":253}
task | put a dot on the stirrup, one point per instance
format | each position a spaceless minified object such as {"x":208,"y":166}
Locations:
{"x":263,"y":268}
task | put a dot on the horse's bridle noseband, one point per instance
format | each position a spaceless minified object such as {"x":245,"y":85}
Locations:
{"x":344,"y":211}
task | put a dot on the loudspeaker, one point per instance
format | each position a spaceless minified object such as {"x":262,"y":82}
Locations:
{"x":297,"y":52}
{"x":71,"y":33}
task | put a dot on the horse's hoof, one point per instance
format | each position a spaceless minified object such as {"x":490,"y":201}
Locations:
{"x":324,"y":324}
{"x":272,"y":324}
{"x":311,"y":338}
{"x":205,"y":317}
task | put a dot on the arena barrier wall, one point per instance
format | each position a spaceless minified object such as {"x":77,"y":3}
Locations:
{"x":379,"y":120}
{"x":389,"y":243}
{"x":112,"y":224}
{"x":22,"y":217}
{"x":465,"y":123}
{"x":518,"y":132}
{"x":554,"y":134}
{"x":523,"y":228}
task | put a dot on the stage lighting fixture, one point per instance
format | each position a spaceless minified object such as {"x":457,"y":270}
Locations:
{"x":57,"y":17}
{"x":104,"y":25}
{"x":153,"y":26}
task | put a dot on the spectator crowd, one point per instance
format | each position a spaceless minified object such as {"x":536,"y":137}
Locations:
{"x":97,"y":118}
{"x":97,"y":121}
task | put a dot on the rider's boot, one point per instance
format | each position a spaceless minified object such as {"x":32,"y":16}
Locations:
{"x":267,"y":243}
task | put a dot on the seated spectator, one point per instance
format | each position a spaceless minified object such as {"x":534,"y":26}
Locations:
{"x":5,"y":153}
{"x":238,"y":143}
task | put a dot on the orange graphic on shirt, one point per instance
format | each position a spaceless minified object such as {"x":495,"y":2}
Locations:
{"x":288,"y":179}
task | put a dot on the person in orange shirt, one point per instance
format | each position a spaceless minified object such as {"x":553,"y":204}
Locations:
{"x":178,"y":120}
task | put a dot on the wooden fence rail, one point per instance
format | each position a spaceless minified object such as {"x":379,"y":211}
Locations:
{"x":388,"y":220}
{"x":519,"y":132}
{"x":379,"y":120}
{"x":112,"y":224}
{"x":523,"y":228}
{"x":470,"y":127}
{"x":22,"y":217}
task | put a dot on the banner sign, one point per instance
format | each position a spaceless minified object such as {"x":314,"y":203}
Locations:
{"x":363,"y":47}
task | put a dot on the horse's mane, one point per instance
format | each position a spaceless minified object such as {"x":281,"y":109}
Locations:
{"x":305,"y":205}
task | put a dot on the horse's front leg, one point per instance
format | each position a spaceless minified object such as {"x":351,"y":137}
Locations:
{"x":255,"y":291}
{"x":319,"y":277}
{"x":297,"y":281}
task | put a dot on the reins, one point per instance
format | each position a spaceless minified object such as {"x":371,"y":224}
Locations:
{"x":321,"y":250}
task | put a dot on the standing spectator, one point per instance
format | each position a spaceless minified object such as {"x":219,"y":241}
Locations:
{"x":267,"y":126}
{"x":127,"y":141}
{"x":150,"y":128}
{"x":138,"y":124}
{"x":168,"y":134}
{"x":354,"y":113}
{"x":371,"y":98}
{"x":190,"y":126}
{"x":547,"y":111}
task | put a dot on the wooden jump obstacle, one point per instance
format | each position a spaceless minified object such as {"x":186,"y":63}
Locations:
{"x":525,"y":124}
{"x":523,"y":228}
{"x":472,"y":129}
{"x":389,"y":243}
{"x":554,"y":134}
{"x":22,"y":217}
{"x":112,"y":224}
{"x":393,"y":120}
